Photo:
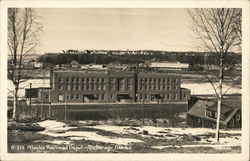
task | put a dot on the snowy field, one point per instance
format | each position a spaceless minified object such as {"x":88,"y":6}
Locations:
{"x":129,"y":136}
{"x":196,"y":88}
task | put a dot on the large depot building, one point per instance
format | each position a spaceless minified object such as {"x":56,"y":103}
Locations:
{"x":112,"y":86}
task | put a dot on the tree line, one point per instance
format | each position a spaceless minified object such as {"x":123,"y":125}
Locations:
{"x":191,"y":59}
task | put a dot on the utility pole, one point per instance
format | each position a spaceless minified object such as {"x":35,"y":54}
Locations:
{"x":30,"y":100}
{"x":41,"y":111}
{"x":65,"y":109}
{"x":49,"y":104}
{"x":143,"y":99}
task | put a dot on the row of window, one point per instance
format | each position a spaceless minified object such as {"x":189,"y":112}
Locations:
{"x":77,"y":97}
{"x":157,"y":87}
{"x":113,"y":87}
{"x":101,"y":80}
{"x":154,"y":80}
{"x":88,"y":79}
{"x":121,"y":87}
{"x":167,"y":96}
{"x":84,"y":87}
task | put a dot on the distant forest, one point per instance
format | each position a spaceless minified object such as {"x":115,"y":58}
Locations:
{"x":191,"y":58}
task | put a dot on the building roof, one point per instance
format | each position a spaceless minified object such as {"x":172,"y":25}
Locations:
{"x":228,"y":104}
{"x":224,"y":108}
{"x":198,"y":108}
{"x":74,"y":63}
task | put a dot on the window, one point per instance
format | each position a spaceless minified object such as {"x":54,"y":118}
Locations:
{"x":140,"y":96}
{"x":103,"y":80}
{"x":130,"y":80}
{"x":141,"y":87}
{"x":102,"y":96}
{"x":87,"y":79}
{"x":238,"y":117}
{"x":112,"y":87}
{"x":175,"y":96}
{"x":77,"y":96}
{"x":67,"y":97}
{"x":77,"y":86}
{"x":78,"y":79}
{"x":175,"y":80}
{"x":72,"y":79}
{"x":103,"y":87}
{"x":167,"y":96}
{"x":98,"y":87}
{"x":168,"y":80}
{"x":92,"y":80}
{"x":151,"y":87}
{"x":145,"y":96}
{"x":112,"y":80}
{"x":60,"y":87}
{"x":68,"y":87}
{"x":96,"y":96}
{"x":60,"y":79}
{"x":92,"y":86}
{"x":87,"y":87}
{"x":60,"y":97}
{"x":175,"y":87}
{"x":46,"y":96}
{"x":68,"y":80}
{"x":72,"y":96}
{"x":215,"y":114}
{"x":130,"y":87}
{"x":185,"y":95}
{"x":83,"y":79}
{"x":207,"y":113}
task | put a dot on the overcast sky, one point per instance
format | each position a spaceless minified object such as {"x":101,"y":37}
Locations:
{"x":156,"y":29}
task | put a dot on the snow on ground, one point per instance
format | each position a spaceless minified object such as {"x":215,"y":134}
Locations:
{"x":225,"y":143}
{"x":54,"y":125}
{"x":59,"y":129}
{"x":155,"y":130}
{"x":55,"y":141}
{"x":173,"y":133}
{"x":206,"y":88}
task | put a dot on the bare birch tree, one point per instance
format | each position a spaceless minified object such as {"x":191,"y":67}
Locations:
{"x":219,"y":32}
{"x":23,"y":29}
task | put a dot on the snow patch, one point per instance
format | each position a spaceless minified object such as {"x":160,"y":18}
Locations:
{"x":59,"y":129}
{"x":55,"y":141}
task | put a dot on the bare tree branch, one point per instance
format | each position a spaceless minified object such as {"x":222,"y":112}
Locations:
{"x":23,"y":29}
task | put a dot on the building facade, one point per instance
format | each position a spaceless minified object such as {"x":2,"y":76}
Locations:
{"x":113,"y":86}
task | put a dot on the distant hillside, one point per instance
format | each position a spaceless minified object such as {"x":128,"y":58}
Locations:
{"x":193,"y":58}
